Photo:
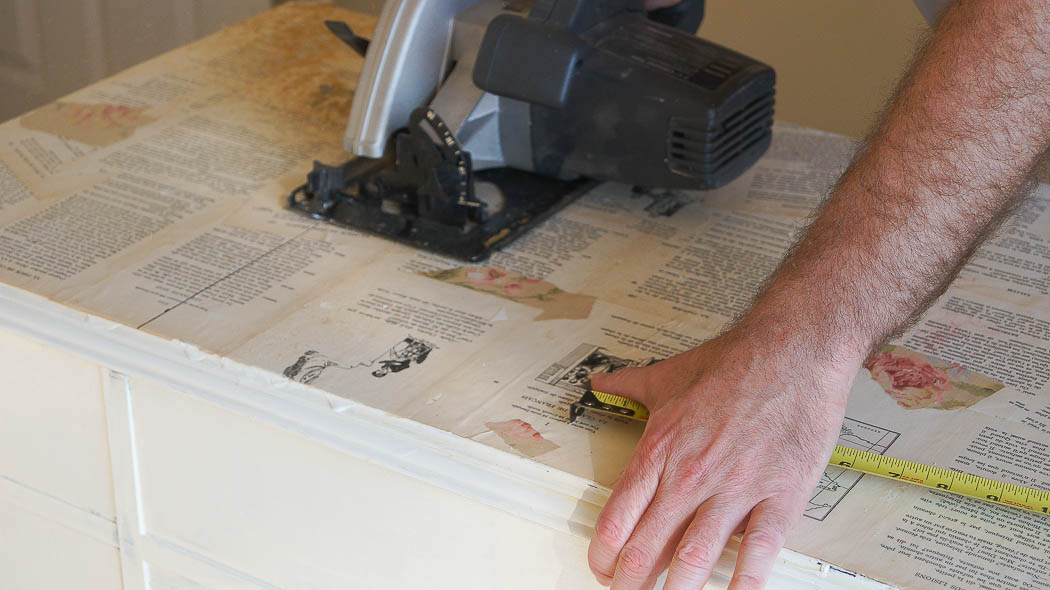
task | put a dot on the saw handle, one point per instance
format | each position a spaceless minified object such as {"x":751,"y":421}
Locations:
{"x":686,"y":15}
{"x":577,"y":16}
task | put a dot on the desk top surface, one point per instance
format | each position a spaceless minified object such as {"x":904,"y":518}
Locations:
{"x":155,"y":199}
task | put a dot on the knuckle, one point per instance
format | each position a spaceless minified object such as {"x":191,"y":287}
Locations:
{"x":693,"y":472}
{"x":697,"y":556}
{"x":658,"y":442}
{"x":746,"y":581}
{"x":765,"y":540}
{"x":635,"y":561}
{"x":609,"y":532}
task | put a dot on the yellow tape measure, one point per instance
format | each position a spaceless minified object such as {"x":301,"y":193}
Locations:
{"x":982,"y":488}
{"x":607,"y":403}
{"x":947,"y":480}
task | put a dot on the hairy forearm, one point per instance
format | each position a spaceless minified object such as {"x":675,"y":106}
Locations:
{"x":953,"y":152}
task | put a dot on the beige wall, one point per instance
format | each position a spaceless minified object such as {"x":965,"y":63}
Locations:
{"x":836,"y":60}
{"x":49,"y":48}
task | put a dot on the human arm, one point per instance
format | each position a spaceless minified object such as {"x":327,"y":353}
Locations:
{"x":742,"y":427}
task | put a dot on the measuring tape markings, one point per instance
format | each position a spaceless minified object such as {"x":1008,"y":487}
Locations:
{"x":973,"y":486}
{"x":938,"y":478}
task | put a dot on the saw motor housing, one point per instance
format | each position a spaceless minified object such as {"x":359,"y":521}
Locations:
{"x":474,"y":120}
{"x":630,"y":100}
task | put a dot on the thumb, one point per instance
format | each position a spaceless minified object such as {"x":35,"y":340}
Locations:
{"x":630,"y":382}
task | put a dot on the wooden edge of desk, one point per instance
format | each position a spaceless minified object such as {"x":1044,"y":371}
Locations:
{"x":520,"y":486}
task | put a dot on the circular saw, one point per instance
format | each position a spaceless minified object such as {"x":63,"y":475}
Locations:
{"x":474,"y":120}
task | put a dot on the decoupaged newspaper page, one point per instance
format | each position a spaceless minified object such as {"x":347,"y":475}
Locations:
{"x":156,"y":195}
{"x":156,"y":198}
{"x":965,"y":389}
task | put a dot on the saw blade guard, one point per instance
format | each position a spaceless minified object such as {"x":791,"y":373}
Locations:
{"x":406,"y":61}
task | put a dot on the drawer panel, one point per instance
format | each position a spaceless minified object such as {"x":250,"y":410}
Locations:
{"x":293,"y":512}
{"x":53,"y":425}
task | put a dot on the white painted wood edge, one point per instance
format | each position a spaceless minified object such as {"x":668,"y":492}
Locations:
{"x":120,"y":430}
{"x":518,"y":485}
{"x":427,"y":453}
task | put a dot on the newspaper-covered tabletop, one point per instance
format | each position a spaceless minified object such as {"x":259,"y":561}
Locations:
{"x":155,"y":198}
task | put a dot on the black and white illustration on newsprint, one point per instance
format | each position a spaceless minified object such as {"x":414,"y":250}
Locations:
{"x":836,"y":482}
{"x":407,"y":353}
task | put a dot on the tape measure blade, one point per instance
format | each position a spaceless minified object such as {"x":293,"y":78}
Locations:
{"x":618,"y":404}
{"x":911,"y":472}
{"x":965,"y":484}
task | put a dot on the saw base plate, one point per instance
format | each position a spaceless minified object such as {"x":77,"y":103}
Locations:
{"x":526,"y":199}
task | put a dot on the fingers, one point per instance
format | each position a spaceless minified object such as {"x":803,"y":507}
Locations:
{"x":621,"y":513}
{"x":650,"y":547}
{"x":766,"y":531}
{"x":703,"y":542}
{"x":629,"y":382}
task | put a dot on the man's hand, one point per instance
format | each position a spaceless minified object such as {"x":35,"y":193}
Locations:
{"x":741,"y":427}
{"x":738,"y":436}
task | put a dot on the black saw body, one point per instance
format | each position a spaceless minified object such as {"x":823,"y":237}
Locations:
{"x":610,"y":94}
